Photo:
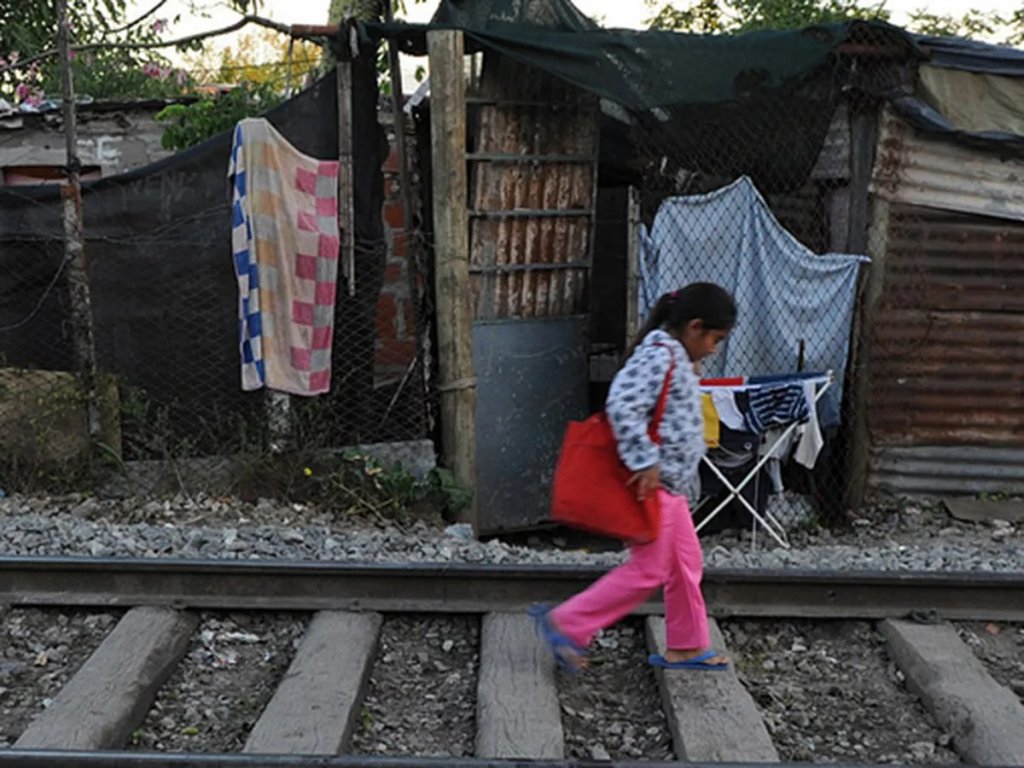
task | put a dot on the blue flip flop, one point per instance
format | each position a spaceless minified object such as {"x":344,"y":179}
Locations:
{"x":556,"y":641}
{"x":697,"y":662}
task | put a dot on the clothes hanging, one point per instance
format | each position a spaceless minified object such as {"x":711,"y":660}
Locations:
{"x":285,"y":245}
{"x":789,"y":297}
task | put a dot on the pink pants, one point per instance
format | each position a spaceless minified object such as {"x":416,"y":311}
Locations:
{"x":673,"y":560}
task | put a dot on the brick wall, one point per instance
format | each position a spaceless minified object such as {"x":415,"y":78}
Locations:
{"x":396,"y":310}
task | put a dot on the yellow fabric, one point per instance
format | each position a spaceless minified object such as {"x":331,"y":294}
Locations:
{"x":712,"y":427}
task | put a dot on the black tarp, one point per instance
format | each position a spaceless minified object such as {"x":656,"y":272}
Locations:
{"x":972,"y":55}
{"x":164,"y":294}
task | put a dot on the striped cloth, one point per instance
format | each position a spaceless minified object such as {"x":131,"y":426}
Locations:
{"x":773,"y":406}
{"x":284,"y":240}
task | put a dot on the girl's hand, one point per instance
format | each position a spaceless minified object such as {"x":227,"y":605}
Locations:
{"x":646,"y":482}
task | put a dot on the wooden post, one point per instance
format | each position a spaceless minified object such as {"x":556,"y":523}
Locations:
{"x":632,"y":265}
{"x":402,"y":151}
{"x":83,"y":340}
{"x":397,"y":109}
{"x":866,"y":235}
{"x":452,"y":288}
{"x":346,"y":205}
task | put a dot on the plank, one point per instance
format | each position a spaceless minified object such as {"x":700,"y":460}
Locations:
{"x":518,"y":715}
{"x":985,"y":718}
{"x":110,"y":695}
{"x":710,"y":714}
{"x":633,"y":221}
{"x":452,"y":287}
{"x":315,"y":709}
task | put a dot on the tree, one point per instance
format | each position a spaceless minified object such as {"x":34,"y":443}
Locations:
{"x":113,"y":61}
{"x":257,"y":71}
{"x":987,"y":25}
{"x":737,"y":16}
{"x":262,"y":57}
{"x":722,"y":16}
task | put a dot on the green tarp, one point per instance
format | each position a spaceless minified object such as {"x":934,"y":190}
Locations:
{"x":640,"y":70}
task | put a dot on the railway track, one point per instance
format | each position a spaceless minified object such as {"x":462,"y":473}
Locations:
{"x":319,"y":704}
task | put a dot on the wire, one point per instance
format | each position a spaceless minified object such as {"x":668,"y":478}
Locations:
{"x":42,"y":300}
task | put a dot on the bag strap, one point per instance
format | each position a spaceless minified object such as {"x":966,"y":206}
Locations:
{"x":659,"y":408}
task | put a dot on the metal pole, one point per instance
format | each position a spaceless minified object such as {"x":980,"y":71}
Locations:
{"x":74,"y":251}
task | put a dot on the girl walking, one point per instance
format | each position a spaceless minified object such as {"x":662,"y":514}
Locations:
{"x":685,"y":327}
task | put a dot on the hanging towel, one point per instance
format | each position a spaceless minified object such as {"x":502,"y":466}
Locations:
{"x":811,"y":440}
{"x":285,"y":241}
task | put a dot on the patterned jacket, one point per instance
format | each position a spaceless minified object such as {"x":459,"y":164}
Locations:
{"x":630,"y":408}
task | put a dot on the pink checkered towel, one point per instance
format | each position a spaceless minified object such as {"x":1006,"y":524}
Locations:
{"x":284,"y":240}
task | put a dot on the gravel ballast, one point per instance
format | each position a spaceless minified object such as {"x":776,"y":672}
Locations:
{"x":828,"y":692}
{"x":218,"y":691}
{"x":40,"y":650}
{"x":885,"y":537}
{"x":422,"y":694}
{"x":1001,"y":648}
{"x":613,"y":710}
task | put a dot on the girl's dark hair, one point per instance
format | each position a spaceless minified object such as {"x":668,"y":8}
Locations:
{"x":707,"y":302}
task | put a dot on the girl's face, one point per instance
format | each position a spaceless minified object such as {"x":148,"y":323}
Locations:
{"x":700,"y":342}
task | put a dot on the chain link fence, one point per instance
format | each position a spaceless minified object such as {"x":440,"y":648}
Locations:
{"x":801,"y":181}
{"x":166,"y":412}
{"x":770,"y":197}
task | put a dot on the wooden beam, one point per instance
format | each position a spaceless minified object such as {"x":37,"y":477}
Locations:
{"x":632,"y":266}
{"x":985,"y":718}
{"x":316,"y":708}
{"x":712,"y":717}
{"x":868,"y":233}
{"x":79,"y":293}
{"x":518,"y":715}
{"x":457,"y":388}
{"x":346,"y":205}
{"x":110,"y":695}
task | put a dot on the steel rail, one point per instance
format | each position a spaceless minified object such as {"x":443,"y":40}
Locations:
{"x":19,"y":758}
{"x":469,"y":588}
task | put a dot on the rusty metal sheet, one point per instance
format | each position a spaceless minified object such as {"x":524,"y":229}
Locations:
{"x":913,"y":169}
{"x":948,"y":357}
{"x":949,"y":470}
{"x":530,"y":237}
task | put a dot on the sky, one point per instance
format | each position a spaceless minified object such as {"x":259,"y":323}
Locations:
{"x":610,"y":13}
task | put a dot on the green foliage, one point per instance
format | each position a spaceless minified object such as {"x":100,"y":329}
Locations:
{"x":737,"y":16}
{"x":975,"y":24}
{"x":118,"y":70}
{"x":359,"y":483}
{"x":704,"y":17}
{"x":191,"y":124}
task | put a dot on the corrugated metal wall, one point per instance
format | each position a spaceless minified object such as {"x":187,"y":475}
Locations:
{"x":946,"y":410}
{"x":533,"y":181}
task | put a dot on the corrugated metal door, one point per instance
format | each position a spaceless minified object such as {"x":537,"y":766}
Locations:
{"x":533,"y":185}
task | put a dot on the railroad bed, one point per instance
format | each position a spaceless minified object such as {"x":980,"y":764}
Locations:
{"x":206,"y":663}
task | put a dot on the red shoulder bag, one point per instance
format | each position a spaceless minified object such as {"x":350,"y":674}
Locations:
{"x":590,"y":488}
